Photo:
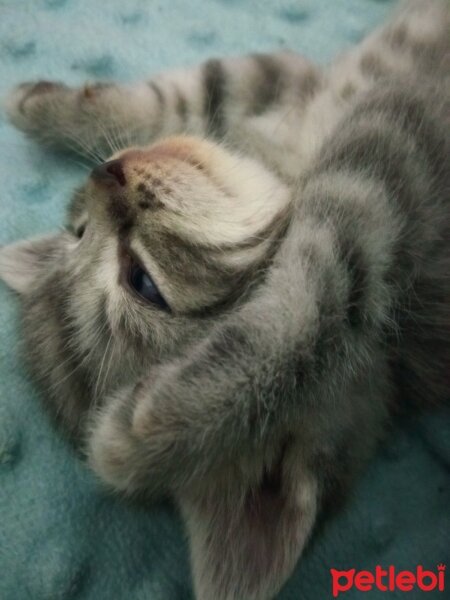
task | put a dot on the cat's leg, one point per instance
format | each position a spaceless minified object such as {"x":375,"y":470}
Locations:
{"x":415,"y":41}
{"x":212,"y":99}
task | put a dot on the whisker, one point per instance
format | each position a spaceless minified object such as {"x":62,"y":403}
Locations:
{"x":101,"y":367}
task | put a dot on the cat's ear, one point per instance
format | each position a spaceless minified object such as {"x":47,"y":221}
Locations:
{"x":22,"y":263}
{"x":245,"y":545}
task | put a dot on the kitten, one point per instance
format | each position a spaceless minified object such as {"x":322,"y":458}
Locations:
{"x":232,"y":312}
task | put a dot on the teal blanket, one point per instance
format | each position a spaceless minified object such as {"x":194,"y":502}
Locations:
{"x":61,"y":536}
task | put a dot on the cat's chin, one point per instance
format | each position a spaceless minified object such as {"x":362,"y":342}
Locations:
{"x":215,"y":196}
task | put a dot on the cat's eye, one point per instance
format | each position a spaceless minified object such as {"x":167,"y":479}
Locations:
{"x":79,"y":232}
{"x":141,"y":282}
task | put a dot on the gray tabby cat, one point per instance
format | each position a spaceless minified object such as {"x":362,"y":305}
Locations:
{"x":232,"y":313}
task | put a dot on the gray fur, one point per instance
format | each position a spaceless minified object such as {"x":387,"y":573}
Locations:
{"x":259,"y":395}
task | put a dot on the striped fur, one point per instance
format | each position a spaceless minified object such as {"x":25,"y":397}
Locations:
{"x":297,"y":221}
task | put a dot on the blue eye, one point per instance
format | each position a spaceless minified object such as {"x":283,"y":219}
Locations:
{"x":145,"y":287}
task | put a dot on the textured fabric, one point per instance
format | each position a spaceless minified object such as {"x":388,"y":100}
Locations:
{"x":61,"y":536}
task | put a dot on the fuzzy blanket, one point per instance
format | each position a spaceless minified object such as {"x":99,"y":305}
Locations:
{"x":61,"y":536}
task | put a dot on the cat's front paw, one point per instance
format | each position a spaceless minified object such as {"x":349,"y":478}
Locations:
{"x":176,"y":427}
{"x":133,"y":446}
{"x":28,"y":104}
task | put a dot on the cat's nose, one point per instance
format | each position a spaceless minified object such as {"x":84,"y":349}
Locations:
{"x":110,"y":172}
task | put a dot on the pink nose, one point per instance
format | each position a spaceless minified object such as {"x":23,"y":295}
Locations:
{"x":110,"y":172}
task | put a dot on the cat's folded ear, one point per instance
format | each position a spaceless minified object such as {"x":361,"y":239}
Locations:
{"x":245,"y":541}
{"x":22,"y":264}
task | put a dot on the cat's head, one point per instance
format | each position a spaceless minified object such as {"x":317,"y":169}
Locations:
{"x":161,"y":241}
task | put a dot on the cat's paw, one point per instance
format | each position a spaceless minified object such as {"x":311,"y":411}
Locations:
{"x":134,"y":446}
{"x":55,"y":114}
{"x":29,"y":104}
{"x":177,"y":426}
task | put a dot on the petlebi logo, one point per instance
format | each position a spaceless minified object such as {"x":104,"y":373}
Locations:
{"x":388,"y":580}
